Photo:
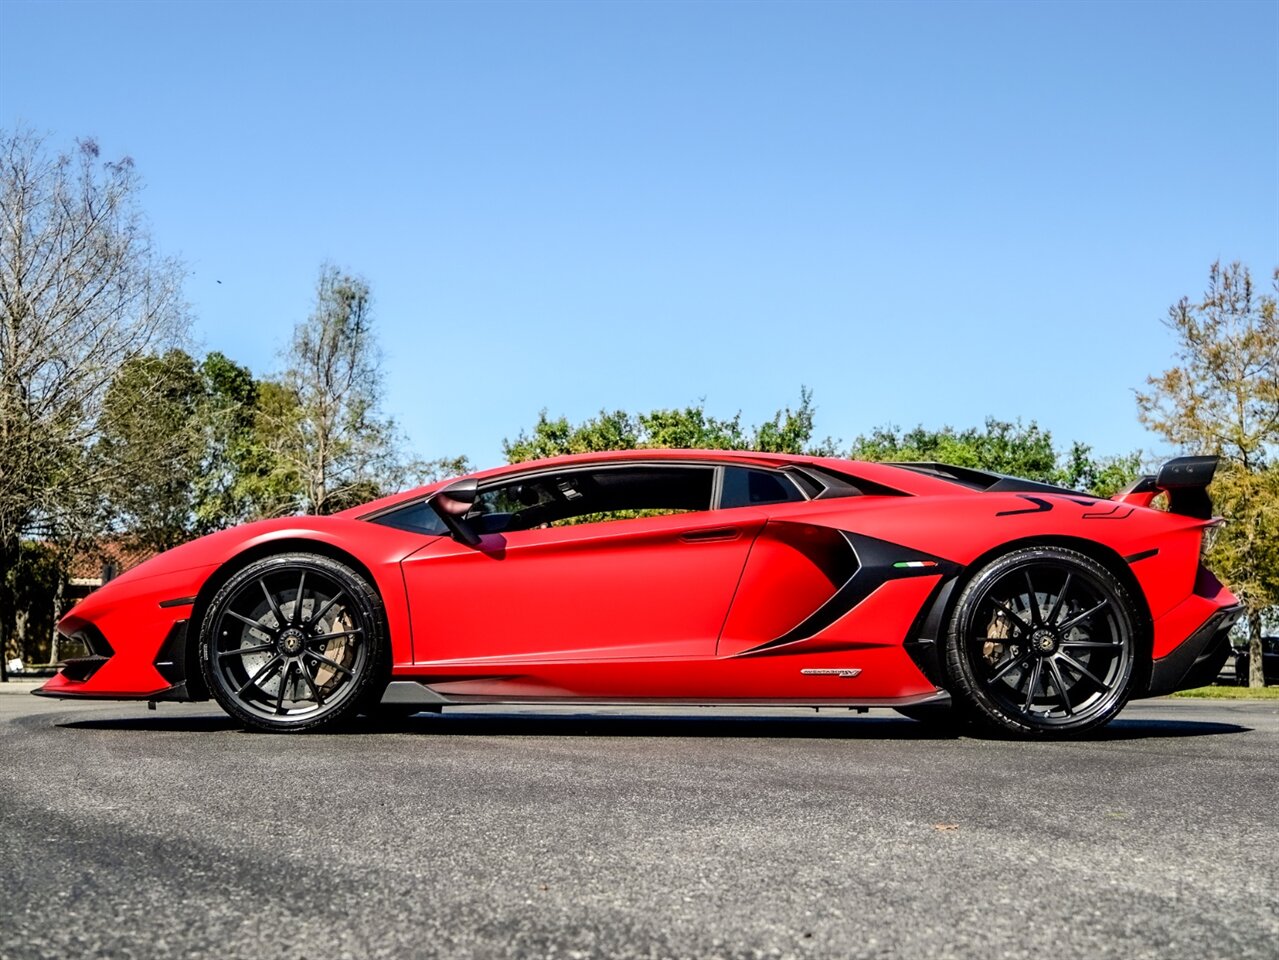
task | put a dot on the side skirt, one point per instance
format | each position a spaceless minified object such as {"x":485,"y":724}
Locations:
{"x":412,"y":693}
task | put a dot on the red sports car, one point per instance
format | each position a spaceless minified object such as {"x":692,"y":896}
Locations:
{"x":680,"y":576}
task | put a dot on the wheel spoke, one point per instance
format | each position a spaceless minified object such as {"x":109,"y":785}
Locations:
{"x":1035,"y":671}
{"x":1060,"y":684}
{"x":284,"y":682}
{"x":315,"y":691}
{"x":1006,"y":666}
{"x":1083,"y":670}
{"x":255,"y":624}
{"x":324,"y":637}
{"x":1081,"y":617}
{"x":275,"y":607}
{"x":1092,"y":643}
{"x":268,"y":668}
{"x":241,"y":651}
{"x":1033,"y":600}
{"x":328,"y":605}
{"x":327,"y":662}
{"x":297,"y":603}
{"x":1061,"y":599}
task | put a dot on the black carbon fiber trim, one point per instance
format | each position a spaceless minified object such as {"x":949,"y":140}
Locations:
{"x":170,"y":661}
{"x":1040,"y":506}
{"x":875,"y":559}
{"x":1144,"y":555}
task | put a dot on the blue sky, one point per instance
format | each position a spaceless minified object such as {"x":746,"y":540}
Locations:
{"x":928,"y":213}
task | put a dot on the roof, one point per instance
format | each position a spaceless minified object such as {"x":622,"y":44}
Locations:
{"x":908,"y":481}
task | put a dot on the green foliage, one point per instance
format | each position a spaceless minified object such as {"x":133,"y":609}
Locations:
{"x":791,"y":431}
{"x":330,"y":445}
{"x":689,"y":428}
{"x":616,"y":430}
{"x":150,"y":448}
{"x":1012,"y":448}
{"x":1222,"y":397}
{"x":184,"y":448}
{"x":1215,"y":692}
{"x":33,"y":580}
{"x":224,"y":493}
{"x":442,"y":468}
{"x":82,"y":290}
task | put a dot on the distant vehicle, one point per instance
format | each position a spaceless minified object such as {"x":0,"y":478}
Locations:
{"x":1269,"y":661}
{"x":681,"y":576}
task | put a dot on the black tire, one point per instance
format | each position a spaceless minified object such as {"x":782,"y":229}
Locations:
{"x":1042,"y":644}
{"x":294,"y":642}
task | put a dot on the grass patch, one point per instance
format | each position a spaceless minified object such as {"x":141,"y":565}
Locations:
{"x":1230,"y":693}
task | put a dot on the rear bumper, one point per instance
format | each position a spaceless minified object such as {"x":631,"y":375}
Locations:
{"x":1197,"y":660}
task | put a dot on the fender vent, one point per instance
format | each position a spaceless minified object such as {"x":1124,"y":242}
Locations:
{"x":171,"y":661}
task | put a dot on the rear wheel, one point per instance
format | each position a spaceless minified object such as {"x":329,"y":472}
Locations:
{"x":293,"y":642}
{"x":1042,"y":643}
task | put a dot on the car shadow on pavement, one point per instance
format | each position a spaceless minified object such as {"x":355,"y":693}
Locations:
{"x":1162,"y":729}
{"x":639,"y":725}
{"x":818,"y":728}
{"x":684,"y":725}
{"x":156,"y":724}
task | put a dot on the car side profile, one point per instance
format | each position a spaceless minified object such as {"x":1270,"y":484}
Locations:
{"x":682,"y":576}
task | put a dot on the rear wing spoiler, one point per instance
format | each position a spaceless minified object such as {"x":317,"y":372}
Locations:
{"x":1184,"y":479}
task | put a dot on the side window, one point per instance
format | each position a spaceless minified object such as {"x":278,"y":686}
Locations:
{"x":744,"y":487}
{"x":415,"y":518}
{"x":591,"y":496}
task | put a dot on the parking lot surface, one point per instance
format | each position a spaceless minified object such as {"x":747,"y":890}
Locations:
{"x":635,"y":833}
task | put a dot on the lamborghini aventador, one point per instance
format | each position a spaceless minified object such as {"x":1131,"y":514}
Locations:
{"x":681,"y":576}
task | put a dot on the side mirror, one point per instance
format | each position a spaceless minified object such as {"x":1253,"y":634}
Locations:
{"x":452,"y":503}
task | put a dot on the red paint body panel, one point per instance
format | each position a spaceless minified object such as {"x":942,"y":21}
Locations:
{"x":665,"y":608}
{"x":788,"y":576}
{"x":651,"y":587}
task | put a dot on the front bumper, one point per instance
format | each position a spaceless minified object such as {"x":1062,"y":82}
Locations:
{"x":135,"y":631}
{"x":164,"y":678}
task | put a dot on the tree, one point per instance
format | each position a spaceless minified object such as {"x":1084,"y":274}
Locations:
{"x":1222,"y":397}
{"x":690,"y":428}
{"x":1014,"y":449}
{"x":321,"y":422}
{"x":82,"y":290}
{"x":151,"y":448}
{"x":36,"y":581}
{"x":233,"y":459}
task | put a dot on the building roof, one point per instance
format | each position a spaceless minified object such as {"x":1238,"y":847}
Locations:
{"x":102,"y":561}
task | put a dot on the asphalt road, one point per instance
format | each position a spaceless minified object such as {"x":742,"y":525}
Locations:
{"x":655,"y":833}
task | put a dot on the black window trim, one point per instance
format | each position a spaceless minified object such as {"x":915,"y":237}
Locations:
{"x":717,"y":481}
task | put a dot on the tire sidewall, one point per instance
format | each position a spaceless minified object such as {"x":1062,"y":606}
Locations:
{"x":968,"y":690}
{"x":367,"y":606}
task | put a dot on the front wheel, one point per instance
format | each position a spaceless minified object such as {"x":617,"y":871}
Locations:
{"x":1042,"y":643}
{"x":293,"y":642}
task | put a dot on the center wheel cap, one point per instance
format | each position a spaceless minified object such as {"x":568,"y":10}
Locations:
{"x":291,"y":642}
{"x":1044,"y":641}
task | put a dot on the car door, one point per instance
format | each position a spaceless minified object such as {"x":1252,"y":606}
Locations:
{"x":605,"y":589}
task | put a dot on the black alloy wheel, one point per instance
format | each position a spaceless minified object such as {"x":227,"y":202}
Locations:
{"x":293,"y":642}
{"x":1042,"y":643}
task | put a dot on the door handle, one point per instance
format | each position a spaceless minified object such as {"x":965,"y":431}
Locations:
{"x":709,"y":536}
